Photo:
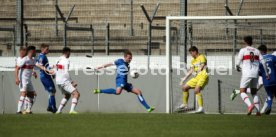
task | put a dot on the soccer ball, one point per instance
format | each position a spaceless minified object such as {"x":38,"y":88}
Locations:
{"x":134,"y":74}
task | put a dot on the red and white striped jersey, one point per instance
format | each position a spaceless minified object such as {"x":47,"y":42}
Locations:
{"x":26,"y":65}
{"x":250,"y":58}
{"x":62,"y":70}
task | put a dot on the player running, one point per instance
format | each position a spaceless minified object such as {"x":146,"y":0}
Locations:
{"x":26,"y":65}
{"x":250,"y":58}
{"x":64,"y":82}
{"x":122,"y":69}
{"x":269,"y":85}
{"x":46,"y":79}
{"x":199,"y":66}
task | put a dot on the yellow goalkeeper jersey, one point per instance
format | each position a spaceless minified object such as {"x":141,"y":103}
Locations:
{"x":196,"y":62}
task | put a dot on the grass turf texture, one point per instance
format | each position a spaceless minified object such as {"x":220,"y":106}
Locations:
{"x":132,"y":125}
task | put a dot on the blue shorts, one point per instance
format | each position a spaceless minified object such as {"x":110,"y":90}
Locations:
{"x":126,"y":86}
{"x":48,"y":84}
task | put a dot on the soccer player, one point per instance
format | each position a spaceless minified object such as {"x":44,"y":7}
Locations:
{"x":64,"y":82}
{"x":27,"y":65}
{"x":199,"y":66}
{"x":46,"y":79}
{"x":122,"y":67}
{"x":250,"y":58}
{"x":269,"y":85}
{"x":248,"y":90}
{"x":22,"y":54}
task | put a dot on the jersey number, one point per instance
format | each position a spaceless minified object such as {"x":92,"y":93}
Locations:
{"x":252,"y":58}
{"x":268,"y":68}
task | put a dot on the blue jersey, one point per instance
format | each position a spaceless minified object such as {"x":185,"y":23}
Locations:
{"x":271,"y":66}
{"x":122,"y":69}
{"x":43,"y":61}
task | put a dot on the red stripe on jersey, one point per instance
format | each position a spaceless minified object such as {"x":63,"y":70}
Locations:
{"x":27,"y":67}
{"x":248,"y":57}
{"x":60,"y":66}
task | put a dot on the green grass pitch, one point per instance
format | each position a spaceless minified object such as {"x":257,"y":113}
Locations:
{"x":136,"y":125}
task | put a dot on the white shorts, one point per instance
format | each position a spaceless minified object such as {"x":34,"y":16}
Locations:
{"x":26,"y":86}
{"x":247,"y":82}
{"x":66,"y":88}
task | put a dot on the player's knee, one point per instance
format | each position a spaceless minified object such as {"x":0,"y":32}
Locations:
{"x":197,"y":90}
{"x":185,"y":88}
{"x":118,"y":92}
{"x":24,"y":94}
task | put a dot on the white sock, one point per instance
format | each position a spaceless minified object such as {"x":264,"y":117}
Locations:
{"x":20,"y":103}
{"x":25,"y":106}
{"x":256,"y":102}
{"x":30,"y":104}
{"x":62,"y":104}
{"x":245,"y":99}
{"x":74,"y":104}
{"x":264,"y":107}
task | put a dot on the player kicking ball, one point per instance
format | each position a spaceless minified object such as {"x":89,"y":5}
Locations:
{"x":250,"y":59}
{"x":46,"y":79}
{"x":122,"y":69}
{"x":64,"y":82}
{"x":26,"y":66}
{"x":199,"y":66}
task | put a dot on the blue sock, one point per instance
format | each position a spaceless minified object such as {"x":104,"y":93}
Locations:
{"x":108,"y":91}
{"x":143,"y":102}
{"x":49,"y":102}
{"x":269,"y":99}
{"x":53,"y":101}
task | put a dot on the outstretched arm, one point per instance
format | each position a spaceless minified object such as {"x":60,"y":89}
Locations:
{"x":105,"y":65}
{"x":187,"y":76}
{"x":16,"y":75}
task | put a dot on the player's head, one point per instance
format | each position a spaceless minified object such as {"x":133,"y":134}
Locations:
{"x":66,"y":52}
{"x":31,"y":51}
{"x":127,"y":56}
{"x":248,"y":40}
{"x":263,"y":49}
{"x":193,"y":51}
{"x":22,"y":51}
{"x":44,"y":48}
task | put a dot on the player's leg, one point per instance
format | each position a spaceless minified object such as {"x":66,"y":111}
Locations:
{"x":245,"y":81}
{"x":256,"y":100}
{"x":30,"y":97}
{"x":202,"y":82}
{"x":117,"y":91}
{"x":269,"y":99}
{"x":21,"y":101}
{"x":63,"y":101}
{"x":236,"y":92}
{"x":141,"y":99}
{"x":185,"y":88}
{"x":50,"y":88}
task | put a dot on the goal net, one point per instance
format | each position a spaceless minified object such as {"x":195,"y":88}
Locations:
{"x":219,"y":38}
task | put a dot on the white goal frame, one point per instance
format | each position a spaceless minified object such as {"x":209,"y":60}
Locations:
{"x":168,"y":50}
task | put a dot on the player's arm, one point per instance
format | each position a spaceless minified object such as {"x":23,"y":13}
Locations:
{"x":16,"y":75}
{"x":190,"y":72}
{"x":240,"y":57}
{"x":203,"y":64}
{"x":105,"y":65}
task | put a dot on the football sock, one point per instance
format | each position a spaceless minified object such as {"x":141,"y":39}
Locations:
{"x":185,"y":98}
{"x":264,"y":106}
{"x":74,"y":104}
{"x":25,"y":105}
{"x":245,"y":98}
{"x":30,"y":103}
{"x":199,"y":99}
{"x":269,"y":99}
{"x":143,"y":102}
{"x":20,"y":103}
{"x":108,"y":91}
{"x":49,"y":101}
{"x":62,"y":104}
{"x":256,"y":102}
{"x":53,"y":101}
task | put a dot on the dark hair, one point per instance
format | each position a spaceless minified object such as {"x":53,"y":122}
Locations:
{"x":42,"y":46}
{"x":66,"y":49}
{"x":193,"y":48}
{"x":22,"y":48}
{"x":30,"y":48}
{"x":127,"y":52}
{"x":248,"y":40}
{"x":262,"y":48}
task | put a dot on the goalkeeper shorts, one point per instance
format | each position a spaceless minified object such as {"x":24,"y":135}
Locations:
{"x":199,"y":80}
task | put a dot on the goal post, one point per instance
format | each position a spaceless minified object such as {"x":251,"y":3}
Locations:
{"x":209,"y":31}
